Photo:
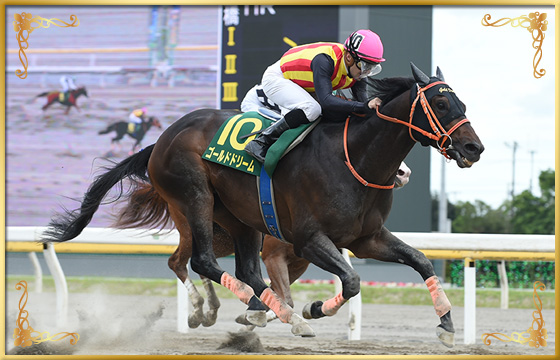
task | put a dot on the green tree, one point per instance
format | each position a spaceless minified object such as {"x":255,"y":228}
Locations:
{"x":532,"y":214}
{"x":478,"y":218}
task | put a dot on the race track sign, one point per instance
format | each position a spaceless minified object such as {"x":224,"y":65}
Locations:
{"x":255,"y":36}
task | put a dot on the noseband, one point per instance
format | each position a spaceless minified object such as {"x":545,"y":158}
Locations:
{"x":439,"y":133}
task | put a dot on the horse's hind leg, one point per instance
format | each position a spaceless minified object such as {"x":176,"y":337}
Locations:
{"x":178,"y":263}
{"x":46,"y":106}
{"x":248,"y":243}
{"x":213,"y":303}
{"x":185,"y":188}
{"x":223,"y":246}
{"x":387,"y":247}
{"x":283,"y":266}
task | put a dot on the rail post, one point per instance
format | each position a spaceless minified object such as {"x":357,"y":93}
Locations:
{"x":38,"y":272}
{"x":354,"y":309}
{"x":470,"y":302}
{"x":503,"y":284}
{"x":182,"y":307}
{"x":59,"y":283}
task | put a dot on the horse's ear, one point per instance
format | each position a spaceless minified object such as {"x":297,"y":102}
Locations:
{"x":419,"y":76}
{"x":439,"y":74}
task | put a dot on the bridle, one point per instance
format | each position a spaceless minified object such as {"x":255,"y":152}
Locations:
{"x":439,"y":133}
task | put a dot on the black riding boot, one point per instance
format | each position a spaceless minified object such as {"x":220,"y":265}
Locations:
{"x":259,"y":146}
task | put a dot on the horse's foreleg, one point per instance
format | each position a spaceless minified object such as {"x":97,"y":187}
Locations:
{"x":321,"y":251}
{"x":387,"y":247}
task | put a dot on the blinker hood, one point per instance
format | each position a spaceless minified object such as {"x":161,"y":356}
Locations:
{"x":419,"y":118}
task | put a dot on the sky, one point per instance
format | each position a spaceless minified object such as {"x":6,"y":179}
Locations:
{"x":491,"y":71}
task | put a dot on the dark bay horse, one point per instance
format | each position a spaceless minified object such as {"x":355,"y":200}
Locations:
{"x":283,"y":266}
{"x":122,"y":129}
{"x":58,"y":96}
{"x":323,"y":199}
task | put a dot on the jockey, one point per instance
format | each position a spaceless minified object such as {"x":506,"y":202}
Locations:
{"x":67,"y":83}
{"x":136,"y":118}
{"x":301,"y":83}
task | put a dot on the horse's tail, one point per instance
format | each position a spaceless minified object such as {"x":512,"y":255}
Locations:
{"x":146,"y":208}
{"x":70,"y":224}
{"x":42,"y":94}
{"x":108,"y":130}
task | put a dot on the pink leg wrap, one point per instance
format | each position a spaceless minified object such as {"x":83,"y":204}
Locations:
{"x":441,"y":303}
{"x":243,"y":291}
{"x":277,"y":305}
{"x":331,"y":306}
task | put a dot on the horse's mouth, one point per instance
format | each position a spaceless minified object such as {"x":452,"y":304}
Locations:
{"x":462,"y":161}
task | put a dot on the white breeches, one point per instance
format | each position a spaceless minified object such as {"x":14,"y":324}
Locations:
{"x":134,"y":119}
{"x":287,"y":94}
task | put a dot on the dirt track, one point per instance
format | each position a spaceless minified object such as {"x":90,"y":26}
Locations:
{"x":134,"y":325}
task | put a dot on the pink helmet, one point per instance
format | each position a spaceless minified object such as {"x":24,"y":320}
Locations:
{"x":365,"y":45}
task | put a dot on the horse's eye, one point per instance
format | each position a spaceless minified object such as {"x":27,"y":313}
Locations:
{"x":441,"y":105}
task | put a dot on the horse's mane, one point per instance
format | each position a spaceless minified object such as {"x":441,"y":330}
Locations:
{"x":389,"y":88}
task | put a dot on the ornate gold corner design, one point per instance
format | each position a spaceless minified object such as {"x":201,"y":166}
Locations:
{"x":536,"y":24}
{"x":25,"y":335}
{"x":23,"y":28}
{"x":535,"y":337}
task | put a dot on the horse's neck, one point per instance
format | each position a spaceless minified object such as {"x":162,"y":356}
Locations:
{"x":377,"y":146}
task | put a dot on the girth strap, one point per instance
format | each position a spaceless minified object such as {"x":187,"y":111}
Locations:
{"x":268,"y":207}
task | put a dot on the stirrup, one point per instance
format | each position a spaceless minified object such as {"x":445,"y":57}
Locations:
{"x":256,"y":149}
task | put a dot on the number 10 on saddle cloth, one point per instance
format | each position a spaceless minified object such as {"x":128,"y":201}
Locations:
{"x":227,"y":146}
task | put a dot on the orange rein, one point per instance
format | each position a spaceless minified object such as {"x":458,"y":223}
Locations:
{"x":353,"y":171}
{"x":437,"y":135}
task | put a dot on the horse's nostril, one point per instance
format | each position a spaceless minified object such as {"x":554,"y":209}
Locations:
{"x":474,"y":148}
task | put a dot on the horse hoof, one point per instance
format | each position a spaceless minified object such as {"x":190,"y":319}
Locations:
{"x":447,"y":338}
{"x":313,"y":310}
{"x":210,"y":318}
{"x":270,"y":316}
{"x":242,"y":320}
{"x":256,"y":317}
{"x":194,"y":321}
{"x":300,"y":327}
{"x":306,"y":312}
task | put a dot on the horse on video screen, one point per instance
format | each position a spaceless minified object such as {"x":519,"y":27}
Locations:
{"x":122,"y":129}
{"x":332,"y":191}
{"x":67,"y":99}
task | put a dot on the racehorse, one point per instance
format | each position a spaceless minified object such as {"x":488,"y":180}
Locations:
{"x":283,"y":266}
{"x":59,"y":96}
{"x":323,"y":199}
{"x":122,"y":129}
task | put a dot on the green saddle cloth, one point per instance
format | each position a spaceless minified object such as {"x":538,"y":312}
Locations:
{"x":227,"y":146}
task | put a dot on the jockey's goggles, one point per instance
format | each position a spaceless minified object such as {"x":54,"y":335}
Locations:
{"x":367,"y":68}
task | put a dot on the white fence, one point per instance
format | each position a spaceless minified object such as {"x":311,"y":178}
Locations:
{"x":469,"y":247}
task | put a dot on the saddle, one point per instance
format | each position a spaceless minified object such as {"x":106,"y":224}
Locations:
{"x":63,"y":96}
{"x":133,"y":128}
{"x":227,"y":146}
